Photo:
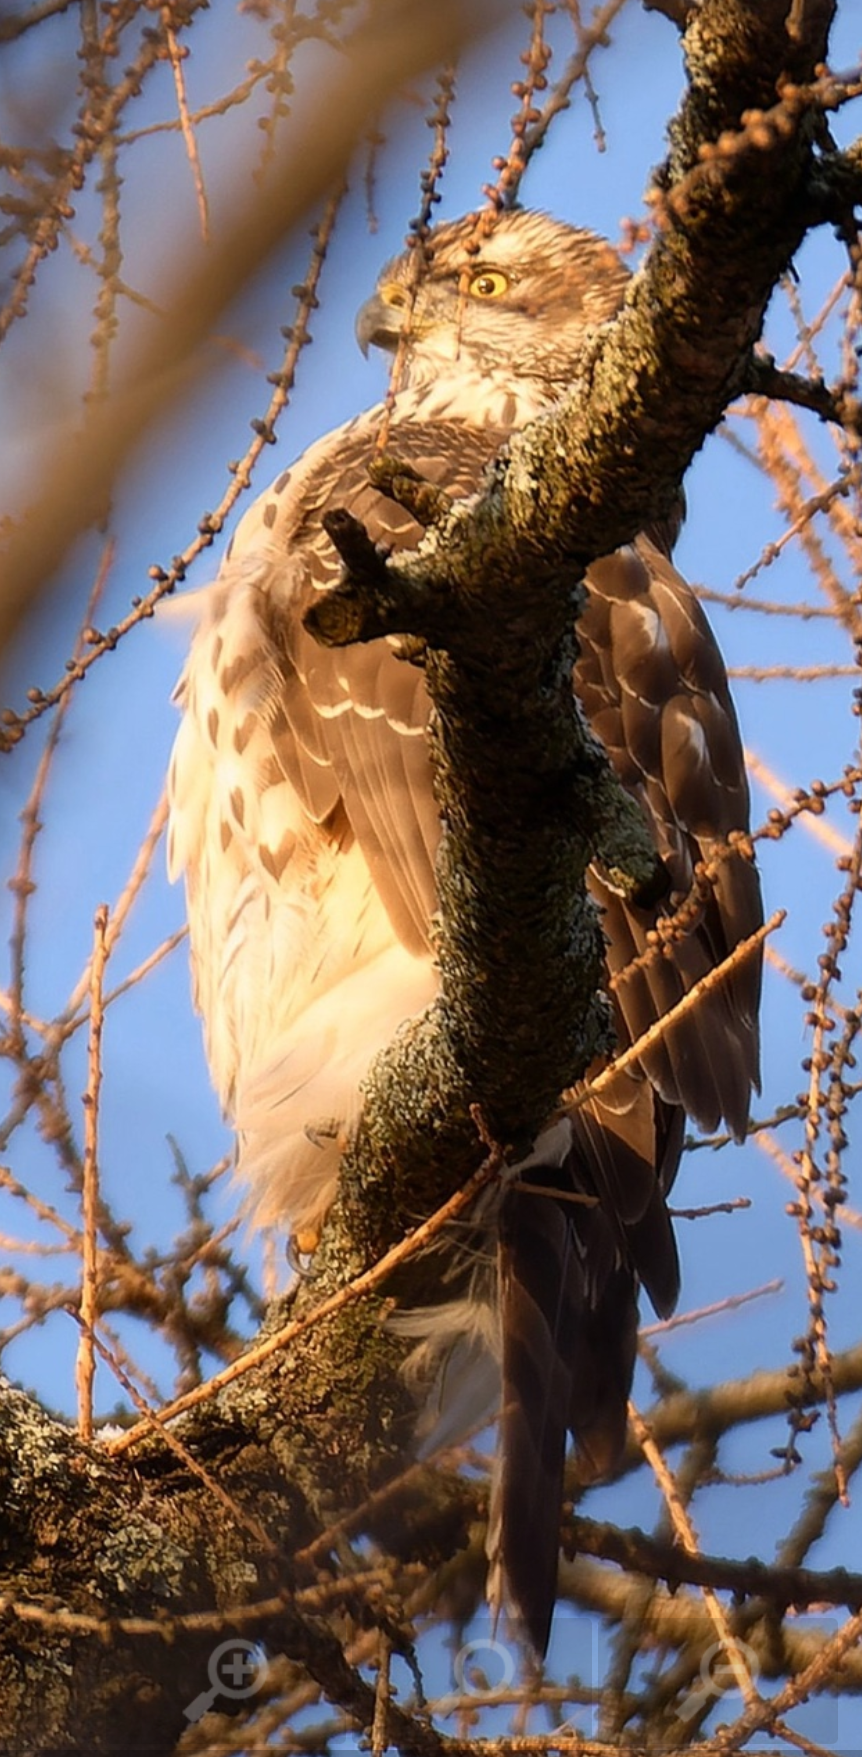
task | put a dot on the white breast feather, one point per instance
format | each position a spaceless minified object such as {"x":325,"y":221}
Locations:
{"x":299,"y":978}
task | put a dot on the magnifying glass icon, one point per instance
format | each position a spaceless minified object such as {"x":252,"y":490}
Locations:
{"x":236,"y":1669}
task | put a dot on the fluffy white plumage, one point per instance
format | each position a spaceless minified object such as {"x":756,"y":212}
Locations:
{"x":298,"y":974}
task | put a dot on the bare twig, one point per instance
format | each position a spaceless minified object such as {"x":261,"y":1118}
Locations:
{"x":86,"y":1366}
{"x":356,"y":1289}
{"x":746,"y":949}
{"x":177,"y":54}
{"x":687,"y":1538}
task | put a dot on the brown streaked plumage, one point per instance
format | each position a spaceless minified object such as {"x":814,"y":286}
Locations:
{"x":303,"y":817}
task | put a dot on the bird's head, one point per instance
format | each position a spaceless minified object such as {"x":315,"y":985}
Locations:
{"x":517,"y":300}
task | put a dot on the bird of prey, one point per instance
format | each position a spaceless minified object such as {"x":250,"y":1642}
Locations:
{"x":303,"y":818}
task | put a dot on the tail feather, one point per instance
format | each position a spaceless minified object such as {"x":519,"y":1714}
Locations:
{"x":602,"y":1367}
{"x":567,"y":1285}
{"x":534,"y":1291}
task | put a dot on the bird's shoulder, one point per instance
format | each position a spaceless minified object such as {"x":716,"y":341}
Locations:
{"x":423,"y":431}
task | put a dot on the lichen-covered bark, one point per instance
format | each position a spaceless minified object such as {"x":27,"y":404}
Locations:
{"x":526,"y":802}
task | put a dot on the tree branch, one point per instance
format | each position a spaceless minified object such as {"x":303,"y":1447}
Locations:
{"x":637,"y":1553}
{"x":765,"y":379}
{"x":678,"y":11}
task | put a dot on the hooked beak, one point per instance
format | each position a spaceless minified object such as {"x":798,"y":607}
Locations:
{"x":379,"y":325}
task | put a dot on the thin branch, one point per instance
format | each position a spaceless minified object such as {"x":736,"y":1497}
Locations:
{"x":687,"y":1538}
{"x":176,"y":55}
{"x":12,"y":27}
{"x":816,"y":1677}
{"x":678,"y":11}
{"x":745,"y":949}
{"x":731,"y":1303}
{"x":86,"y":1366}
{"x":669,"y":1560}
{"x":766,"y":379}
{"x":416,"y":1241}
{"x":82,"y":475}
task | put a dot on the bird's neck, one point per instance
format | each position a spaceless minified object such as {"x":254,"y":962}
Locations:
{"x":495,"y":398}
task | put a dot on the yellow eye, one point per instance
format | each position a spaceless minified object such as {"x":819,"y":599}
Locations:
{"x":488,"y":284}
{"x":392,"y":293}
